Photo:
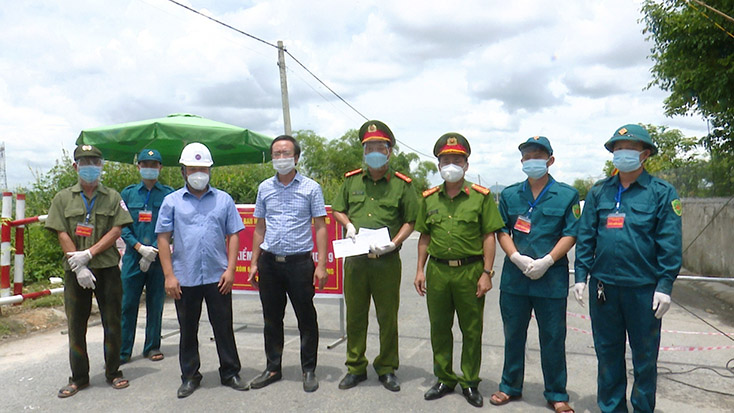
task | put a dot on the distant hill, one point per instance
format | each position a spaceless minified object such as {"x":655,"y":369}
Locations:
{"x":497,"y":188}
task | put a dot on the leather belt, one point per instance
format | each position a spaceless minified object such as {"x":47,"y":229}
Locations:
{"x":286,"y":258}
{"x":458,"y":262}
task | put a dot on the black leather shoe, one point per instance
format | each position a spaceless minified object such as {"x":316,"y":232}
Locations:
{"x":390,"y":382}
{"x":351,"y":380}
{"x":472,"y":395}
{"x":187,"y":388}
{"x":236,"y":383}
{"x":310,"y":382}
{"x":266,"y":378}
{"x":437,"y":391}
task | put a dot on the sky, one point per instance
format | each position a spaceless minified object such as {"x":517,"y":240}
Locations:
{"x":497,"y":72}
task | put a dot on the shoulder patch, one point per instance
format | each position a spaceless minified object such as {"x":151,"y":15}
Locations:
{"x":429,"y":192}
{"x":482,"y":190}
{"x":677,"y":207}
{"x":576,"y":211}
{"x":405,"y":178}
{"x":354,"y":172}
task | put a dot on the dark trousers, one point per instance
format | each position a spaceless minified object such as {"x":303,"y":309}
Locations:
{"x":295,"y":278}
{"x":219,"y":309}
{"x":155,"y":295}
{"x":627,"y":312}
{"x":78,"y":306}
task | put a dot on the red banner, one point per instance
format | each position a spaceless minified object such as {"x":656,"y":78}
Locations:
{"x":334,"y":287}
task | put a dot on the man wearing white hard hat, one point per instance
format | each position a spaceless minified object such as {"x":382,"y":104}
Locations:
{"x":205,"y":226}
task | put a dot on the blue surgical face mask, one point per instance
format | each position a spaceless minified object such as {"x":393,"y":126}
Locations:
{"x":535,"y":168}
{"x":90,"y":173}
{"x":375,"y":160}
{"x":149,"y":173}
{"x":627,"y":160}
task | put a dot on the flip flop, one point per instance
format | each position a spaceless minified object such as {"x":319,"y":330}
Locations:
{"x":71,"y":389}
{"x":119,"y":383}
{"x":500,"y":398}
{"x":561,"y":407}
{"x":155,"y":355}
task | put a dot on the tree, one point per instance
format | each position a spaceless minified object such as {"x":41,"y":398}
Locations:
{"x":694,"y":61}
{"x":583,"y":186}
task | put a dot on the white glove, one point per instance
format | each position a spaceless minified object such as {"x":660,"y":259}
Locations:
{"x":78,"y":259}
{"x":351,"y":232}
{"x":578,"y":292}
{"x":148,"y":252}
{"x":374,"y":249}
{"x":538,"y":267}
{"x":85,"y":278}
{"x":660,"y":304}
{"x":521,"y":261}
{"x":144,"y":264}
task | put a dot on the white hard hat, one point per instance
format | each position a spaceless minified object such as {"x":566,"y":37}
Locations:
{"x":196,"y":154}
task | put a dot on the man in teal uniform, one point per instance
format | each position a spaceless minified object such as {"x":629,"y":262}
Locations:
{"x":541,"y":219}
{"x":373,"y":198}
{"x":629,"y":245}
{"x":88,"y":217}
{"x":457,"y":221}
{"x":140,"y":264}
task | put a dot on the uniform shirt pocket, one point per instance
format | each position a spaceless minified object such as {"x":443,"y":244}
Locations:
{"x":641,"y":217}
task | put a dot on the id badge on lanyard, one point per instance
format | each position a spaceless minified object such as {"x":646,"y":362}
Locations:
{"x":523,"y":224}
{"x":615,"y":220}
{"x":85,"y":229}
{"x":145,"y":215}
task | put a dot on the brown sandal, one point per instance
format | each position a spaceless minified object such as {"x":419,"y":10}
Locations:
{"x":119,"y":383}
{"x":500,"y":398}
{"x":561,"y":407}
{"x":71,"y":389}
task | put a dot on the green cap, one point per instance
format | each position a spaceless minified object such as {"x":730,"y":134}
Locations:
{"x":541,"y":141}
{"x":90,"y":151}
{"x":452,"y":143}
{"x":632,"y":132}
{"x":150,"y":155}
{"x":374,"y":130}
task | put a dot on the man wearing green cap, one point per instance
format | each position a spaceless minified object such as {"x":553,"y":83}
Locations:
{"x":140,"y":264}
{"x":457,"y":221}
{"x":629,"y":245}
{"x":375,"y":197}
{"x":88,"y":218}
{"x":541,"y":220}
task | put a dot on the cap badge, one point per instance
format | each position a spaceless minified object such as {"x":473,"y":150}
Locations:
{"x":150,"y":153}
{"x":86,"y":148}
{"x":372,"y":128}
{"x":622,"y":131}
{"x":198,"y":157}
{"x":452,"y":141}
{"x":536,"y":137}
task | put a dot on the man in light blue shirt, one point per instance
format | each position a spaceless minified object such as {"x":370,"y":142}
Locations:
{"x":205,"y":226}
{"x":281,"y":254}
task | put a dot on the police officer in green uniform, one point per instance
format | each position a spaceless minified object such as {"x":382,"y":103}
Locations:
{"x":457,"y":221}
{"x":629,"y":245}
{"x":541,"y":220}
{"x":140,"y":264}
{"x":375,"y":197}
{"x":88,"y":218}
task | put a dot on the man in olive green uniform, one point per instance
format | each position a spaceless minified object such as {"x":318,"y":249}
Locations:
{"x":88,"y":218}
{"x":373,"y":198}
{"x":541,"y":219}
{"x":457,"y":221}
{"x":629,"y":244}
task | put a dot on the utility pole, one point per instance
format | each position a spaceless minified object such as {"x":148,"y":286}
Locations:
{"x":284,"y":89}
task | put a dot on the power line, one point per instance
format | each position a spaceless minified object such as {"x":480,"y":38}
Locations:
{"x":709,"y":18}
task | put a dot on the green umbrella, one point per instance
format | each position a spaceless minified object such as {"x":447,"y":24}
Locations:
{"x":229,"y":145}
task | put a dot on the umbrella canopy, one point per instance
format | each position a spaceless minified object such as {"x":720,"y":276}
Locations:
{"x":229,"y":145}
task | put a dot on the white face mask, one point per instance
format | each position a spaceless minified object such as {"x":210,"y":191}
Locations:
{"x":198,"y":180}
{"x":452,"y":173}
{"x":284,"y":165}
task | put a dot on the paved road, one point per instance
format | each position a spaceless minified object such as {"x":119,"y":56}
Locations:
{"x":34,"y":368}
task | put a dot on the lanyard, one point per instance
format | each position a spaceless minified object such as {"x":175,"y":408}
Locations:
{"x":535,"y":202}
{"x":88,"y":206}
{"x":618,"y":198}
{"x":147,"y":198}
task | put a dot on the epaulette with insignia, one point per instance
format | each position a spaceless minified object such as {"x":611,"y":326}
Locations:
{"x":405,"y":178}
{"x":354,"y":172}
{"x":482,"y":190}
{"x":429,"y":192}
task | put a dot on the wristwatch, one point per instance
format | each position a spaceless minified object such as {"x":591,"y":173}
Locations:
{"x":489,"y":272}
